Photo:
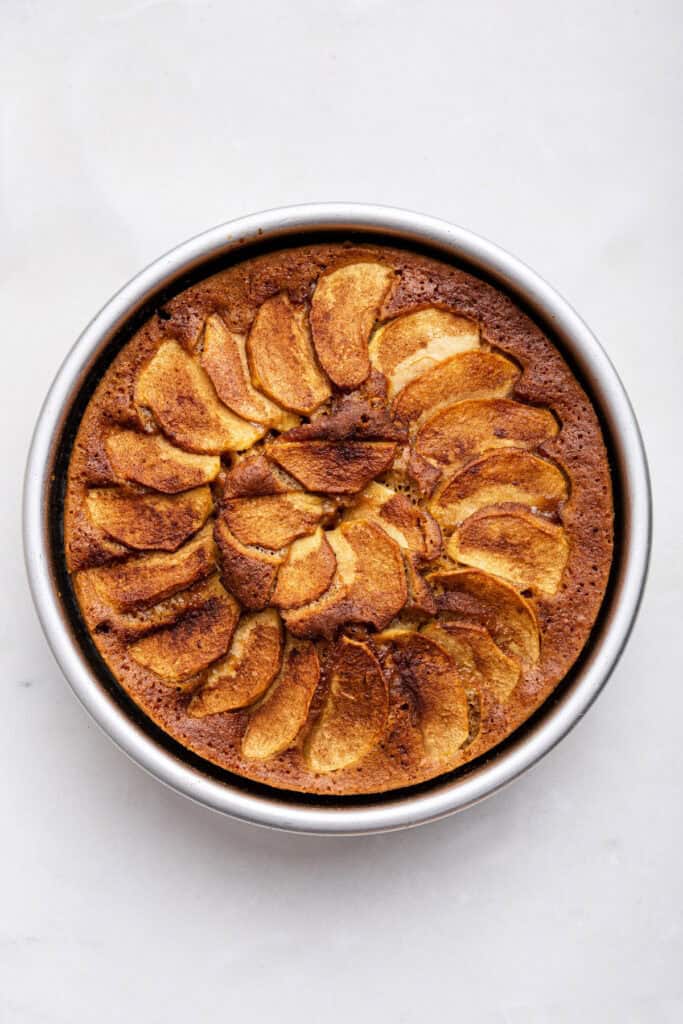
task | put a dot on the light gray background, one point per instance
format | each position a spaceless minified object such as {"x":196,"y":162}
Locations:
{"x":553,"y":129}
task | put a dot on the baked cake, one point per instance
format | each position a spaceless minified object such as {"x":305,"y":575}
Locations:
{"x":339,"y":518}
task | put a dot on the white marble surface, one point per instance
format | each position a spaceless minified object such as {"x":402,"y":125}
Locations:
{"x":555,"y":130}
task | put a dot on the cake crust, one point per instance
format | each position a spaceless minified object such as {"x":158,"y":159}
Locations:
{"x":443,"y":607}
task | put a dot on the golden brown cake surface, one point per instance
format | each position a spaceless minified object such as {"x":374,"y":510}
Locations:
{"x":339,"y":518}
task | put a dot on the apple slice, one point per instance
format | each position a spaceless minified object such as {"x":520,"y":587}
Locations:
{"x":203,"y":635}
{"x":524,"y":549}
{"x":479,"y":661}
{"x":151,"y":460}
{"x":369,"y":585}
{"x":146,"y":580}
{"x":276,"y":722}
{"x":185,"y":405}
{"x":468,"y":429}
{"x":275,"y":520}
{"x":422,"y":474}
{"x":103,"y":618}
{"x":476,"y":598}
{"x":354,"y":716}
{"x":475,"y":374}
{"x":306,"y":573}
{"x":332,"y":467}
{"x":413,"y":529}
{"x":281,"y":357}
{"x":420,"y":597}
{"x":224,"y":357}
{"x":497,"y":478}
{"x":345,"y":305}
{"x":427,"y":671}
{"x":248,"y":572}
{"x":407,"y":347}
{"x":255,"y":476}
{"x":153,"y":521}
{"x":248,"y":669}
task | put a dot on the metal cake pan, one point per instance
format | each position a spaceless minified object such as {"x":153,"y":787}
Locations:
{"x":94,"y":685}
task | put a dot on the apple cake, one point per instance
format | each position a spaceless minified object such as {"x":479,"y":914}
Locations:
{"x":339,"y":518}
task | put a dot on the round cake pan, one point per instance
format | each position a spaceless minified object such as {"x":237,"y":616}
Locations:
{"x":94,"y":685}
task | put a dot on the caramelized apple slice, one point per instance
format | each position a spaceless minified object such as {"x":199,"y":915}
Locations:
{"x":248,"y":572}
{"x":345,"y":305}
{"x":411,"y":527}
{"x":255,"y":476}
{"x":410,"y":345}
{"x":355,"y":713}
{"x":306,"y":573}
{"x":468,"y":429}
{"x":369,"y":585}
{"x":141,"y":621}
{"x":428,"y":672}
{"x":185,"y":405}
{"x":276,"y":722}
{"x":333,"y":467}
{"x":152,"y":578}
{"x":275,"y":520}
{"x":149,"y":520}
{"x":420,"y":597}
{"x":478,"y":660}
{"x":476,"y":598}
{"x":247,"y":670}
{"x":475,"y":374}
{"x":281,"y":357}
{"x":528,"y":551}
{"x":151,"y":460}
{"x":180,"y":651}
{"x":224,"y":358}
{"x":508,"y":476}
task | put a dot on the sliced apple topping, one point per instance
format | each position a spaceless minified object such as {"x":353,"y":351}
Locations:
{"x":333,"y":467}
{"x":142,"y":621}
{"x":248,"y":669}
{"x":152,"y":521}
{"x":255,"y":476}
{"x":429,"y":674}
{"x":248,"y":572}
{"x":282,"y":360}
{"x":468,"y":429}
{"x":369,"y":585}
{"x":420,"y":597}
{"x":185,"y":405}
{"x":523,"y":548}
{"x":151,"y":460}
{"x":224,"y":357}
{"x":475,"y":598}
{"x":200,"y":637}
{"x":306,"y":573}
{"x":345,"y":305}
{"x":476,"y":374}
{"x":507,"y":476}
{"x":410,"y":345}
{"x":478,"y":660}
{"x":354,"y":717}
{"x":275,"y":520}
{"x":146,"y":580}
{"x":277,"y":720}
{"x":411,"y":527}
